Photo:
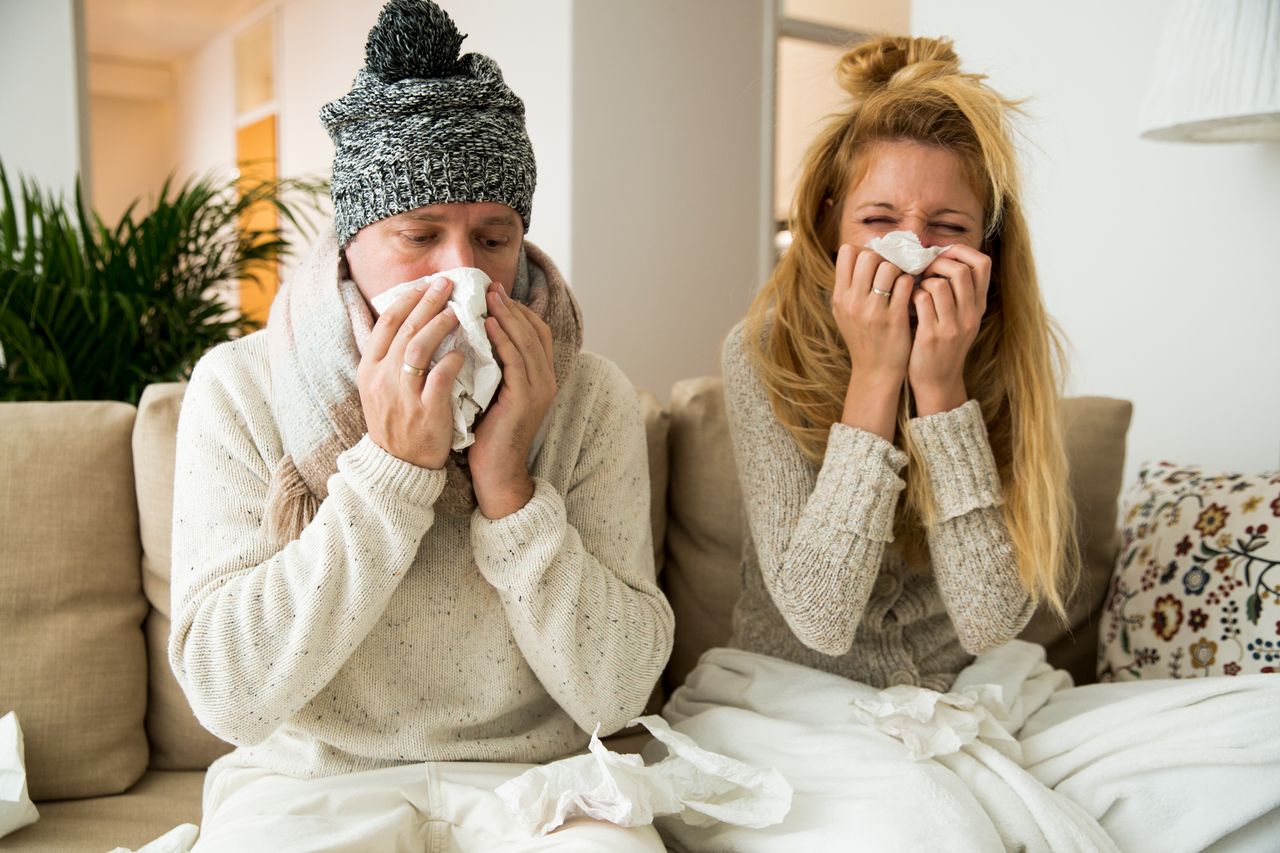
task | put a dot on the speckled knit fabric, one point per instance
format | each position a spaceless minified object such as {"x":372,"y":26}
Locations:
{"x":821,"y":589}
{"x":389,"y":632}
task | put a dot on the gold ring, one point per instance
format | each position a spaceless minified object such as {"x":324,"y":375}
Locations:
{"x":413,"y":371}
{"x":878,"y":292}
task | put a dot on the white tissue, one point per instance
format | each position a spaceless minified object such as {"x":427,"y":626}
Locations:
{"x":16,"y":808}
{"x":478,"y":380}
{"x":930,"y":723}
{"x":701,"y":787}
{"x":904,"y":251}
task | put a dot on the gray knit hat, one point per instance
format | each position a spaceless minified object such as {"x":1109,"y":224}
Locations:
{"x":422,"y":125}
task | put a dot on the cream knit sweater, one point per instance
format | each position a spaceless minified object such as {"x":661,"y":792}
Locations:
{"x":821,"y":589}
{"x":391,"y":633}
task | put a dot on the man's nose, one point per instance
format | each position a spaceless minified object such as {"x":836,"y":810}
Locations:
{"x":457,"y":251}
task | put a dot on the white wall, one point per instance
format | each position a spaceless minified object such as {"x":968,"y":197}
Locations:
{"x":667,"y":200}
{"x":42,"y":92}
{"x":1154,"y":256}
{"x":205,"y":109}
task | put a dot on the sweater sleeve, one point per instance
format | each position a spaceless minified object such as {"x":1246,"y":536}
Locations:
{"x":820,"y":540}
{"x":969,"y":545}
{"x":258,"y":630}
{"x":575,"y":572}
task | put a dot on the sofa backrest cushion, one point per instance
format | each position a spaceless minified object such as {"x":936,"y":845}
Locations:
{"x":178,"y":741}
{"x":71,"y":604}
{"x":657,"y":425}
{"x":702,"y":577}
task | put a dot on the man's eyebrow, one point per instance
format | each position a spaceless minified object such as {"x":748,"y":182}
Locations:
{"x":887,"y":206}
{"x":504,"y":219}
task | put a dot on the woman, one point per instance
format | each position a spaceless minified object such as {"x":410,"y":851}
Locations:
{"x":897,"y":440}
{"x":905,"y":488}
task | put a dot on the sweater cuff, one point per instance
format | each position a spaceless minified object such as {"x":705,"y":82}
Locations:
{"x":366,"y":462}
{"x":957,"y":460}
{"x":500,"y":544}
{"x":857,"y":488}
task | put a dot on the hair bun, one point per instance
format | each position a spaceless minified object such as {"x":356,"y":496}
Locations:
{"x":412,"y":39}
{"x":875,"y":65}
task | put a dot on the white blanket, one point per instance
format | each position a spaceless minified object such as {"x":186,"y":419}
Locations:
{"x":1011,"y":758}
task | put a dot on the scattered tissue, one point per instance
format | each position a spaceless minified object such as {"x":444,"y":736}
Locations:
{"x":16,"y":808}
{"x":930,"y":724}
{"x":701,"y":787}
{"x":474,"y":388}
{"x":903,"y":250}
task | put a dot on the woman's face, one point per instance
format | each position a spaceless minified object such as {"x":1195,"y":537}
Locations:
{"x":909,"y":186}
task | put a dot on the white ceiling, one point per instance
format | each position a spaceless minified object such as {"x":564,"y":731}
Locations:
{"x":160,"y":31}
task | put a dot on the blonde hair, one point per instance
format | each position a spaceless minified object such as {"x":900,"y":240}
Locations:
{"x":913,"y":89}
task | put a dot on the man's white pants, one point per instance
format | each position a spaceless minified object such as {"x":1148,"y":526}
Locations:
{"x":436,"y":807}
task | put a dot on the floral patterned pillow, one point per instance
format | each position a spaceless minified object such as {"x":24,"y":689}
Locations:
{"x":1196,"y":590}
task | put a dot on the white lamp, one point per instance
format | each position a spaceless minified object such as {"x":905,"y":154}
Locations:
{"x":1217,"y":73}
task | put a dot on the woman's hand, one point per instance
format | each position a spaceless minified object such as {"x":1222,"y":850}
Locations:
{"x":410,"y":416}
{"x":877,"y":331}
{"x":950,"y":303}
{"x":499,"y":458}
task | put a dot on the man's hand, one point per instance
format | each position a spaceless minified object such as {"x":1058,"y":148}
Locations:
{"x":498,"y":459}
{"x":407,"y":414}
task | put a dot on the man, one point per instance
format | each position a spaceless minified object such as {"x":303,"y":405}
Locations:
{"x":388,"y":629}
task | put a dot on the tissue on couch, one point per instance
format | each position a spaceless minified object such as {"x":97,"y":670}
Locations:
{"x":904,"y":250}
{"x":16,"y":808}
{"x":701,"y":787}
{"x":474,"y":388}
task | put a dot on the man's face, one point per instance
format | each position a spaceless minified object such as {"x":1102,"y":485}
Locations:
{"x":434,"y":238}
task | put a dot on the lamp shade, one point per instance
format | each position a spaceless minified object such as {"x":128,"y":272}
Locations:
{"x":1217,"y":73}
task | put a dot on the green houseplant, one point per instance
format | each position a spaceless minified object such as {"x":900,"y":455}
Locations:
{"x":89,"y":311}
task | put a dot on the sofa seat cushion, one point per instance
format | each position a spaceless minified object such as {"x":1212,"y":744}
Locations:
{"x":160,"y":801}
{"x":71,"y":603}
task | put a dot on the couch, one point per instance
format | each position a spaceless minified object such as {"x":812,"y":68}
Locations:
{"x":114,"y":755}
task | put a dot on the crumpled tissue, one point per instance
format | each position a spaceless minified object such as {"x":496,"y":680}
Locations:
{"x":930,"y":723}
{"x":16,"y":808}
{"x":474,"y":388}
{"x":701,"y":787}
{"x":904,"y":250}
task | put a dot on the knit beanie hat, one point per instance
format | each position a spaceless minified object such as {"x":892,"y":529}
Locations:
{"x":422,"y":125}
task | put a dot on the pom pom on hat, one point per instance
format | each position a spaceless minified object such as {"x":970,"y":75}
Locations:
{"x":413,"y":39}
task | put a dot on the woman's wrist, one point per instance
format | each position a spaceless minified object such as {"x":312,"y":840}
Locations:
{"x":871,"y":404}
{"x":932,"y":400}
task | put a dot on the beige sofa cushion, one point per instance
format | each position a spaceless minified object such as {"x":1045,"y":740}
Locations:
{"x":1094,"y":430}
{"x":657,"y":424}
{"x":178,"y":741}
{"x":704,"y":534}
{"x":158,"y":803}
{"x":704,"y":524}
{"x":71,"y":605}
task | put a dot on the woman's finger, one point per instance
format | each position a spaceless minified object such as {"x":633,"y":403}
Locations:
{"x":980,"y":266}
{"x":883,"y":283}
{"x":903,"y":285}
{"x":865,"y":266}
{"x":943,"y":300}
{"x":845,"y":258}
{"x":926,"y":314}
{"x":961,"y":278}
